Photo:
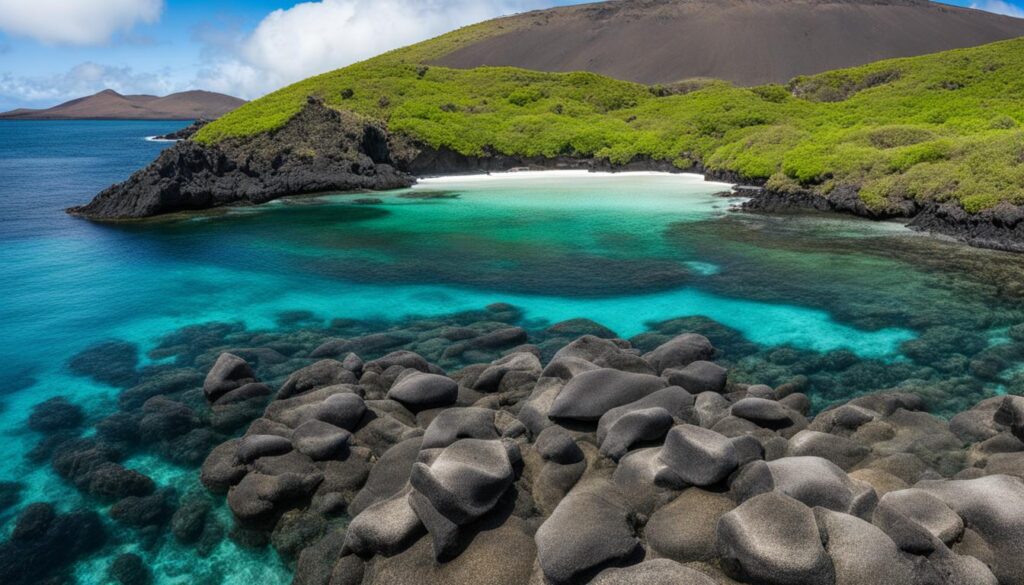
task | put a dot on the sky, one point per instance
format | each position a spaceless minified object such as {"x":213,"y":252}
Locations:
{"x":55,"y":50}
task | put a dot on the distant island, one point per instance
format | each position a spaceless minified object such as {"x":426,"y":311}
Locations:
{"x":110,"y":105}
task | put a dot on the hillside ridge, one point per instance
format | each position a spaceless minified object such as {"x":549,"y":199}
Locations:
{"x":111,"y":105}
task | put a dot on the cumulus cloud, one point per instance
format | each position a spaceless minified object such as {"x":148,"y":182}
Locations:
{"x":75,"y":22}
{"x":999,"y":7}
{"x":315,"y":37}
{"x":84,"y":79}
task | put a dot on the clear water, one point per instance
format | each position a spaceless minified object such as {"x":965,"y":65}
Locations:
{"x":627,"y":251}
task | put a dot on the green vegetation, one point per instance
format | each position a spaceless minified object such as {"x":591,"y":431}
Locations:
{"x":939,"y":127}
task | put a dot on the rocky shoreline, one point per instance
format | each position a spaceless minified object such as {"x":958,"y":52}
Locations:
{"x":322,"y":150}
{"x":605,"y":465}
{"x":470,"y":449}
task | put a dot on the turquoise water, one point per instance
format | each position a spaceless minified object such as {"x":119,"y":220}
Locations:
{"x":847,"y":305}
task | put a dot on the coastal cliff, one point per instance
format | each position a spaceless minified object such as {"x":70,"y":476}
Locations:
{"x":318,"y":150}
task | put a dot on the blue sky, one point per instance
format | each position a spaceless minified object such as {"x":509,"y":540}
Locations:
{"x":54,"y":50}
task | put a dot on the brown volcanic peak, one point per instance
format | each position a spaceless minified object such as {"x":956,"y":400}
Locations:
{"x":110,"y":105}
{"x":747,"y":42}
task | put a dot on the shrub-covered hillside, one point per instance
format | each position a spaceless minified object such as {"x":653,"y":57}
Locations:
{"x":939,"y":127}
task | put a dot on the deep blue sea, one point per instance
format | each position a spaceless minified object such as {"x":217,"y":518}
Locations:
{"x":846,"y":304}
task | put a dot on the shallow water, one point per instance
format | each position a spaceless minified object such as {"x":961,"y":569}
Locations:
{"x":847,"y":305}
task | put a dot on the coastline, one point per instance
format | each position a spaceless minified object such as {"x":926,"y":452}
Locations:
{"x":306,"y":157}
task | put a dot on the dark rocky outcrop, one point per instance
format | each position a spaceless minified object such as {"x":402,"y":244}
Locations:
{"x":318,"y":150}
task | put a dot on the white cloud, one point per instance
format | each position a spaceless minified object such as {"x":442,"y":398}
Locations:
{"x":315,"y":37}
{"x":84,"y":79}
{"x":75,"y":22}
{"x":999,"y":7}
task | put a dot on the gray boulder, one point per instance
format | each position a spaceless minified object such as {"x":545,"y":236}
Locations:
{"x":466,"y":480}
{"x":567,"y":367}
{"x":767,"y":414}
{"x":656,"y":572}
{"x":638,"y":426}
{"x":388,"y":476}
{"x":861,"y":553}
{"x":460,"y":423}
{"x":774,"y":539}
{"x":424,"y":391}
{"x":343,"y":410}
{"x":252,"y":447}
{"x":1011,"y":414}
{"x":844,"y":452}
{"x":811,"y":480}
{"x":524,"y":362}
{"x":590,"y":395}
{"x":685,"y":529}
{"x":680,"y":352}
{"x":590,"y":529}
{"x":917,"y":521}
{"x":228,"y":373}
{"x":677,"y":401}
{"x":319,"y":375}
{"x":321,"y":441}
{"x":698,"y":377}
{"x":556,"y":444}
{"x":993,"y":507}
{"x":259,"y":496}
{"x":699,"y":456}
{"x":385,"y":528}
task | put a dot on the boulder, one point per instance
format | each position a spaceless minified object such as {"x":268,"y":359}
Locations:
{"x":321,"y":441}
{"x":656,"y":572}
{"x":811,"y":480}
{"x":767,"y":414}
{"x":591,"y":528}
{"x":699,"y":456}
{"x":344,"y":410}
{"x":861,"y":553}
{"x":590,"y":395}
{"x":839,"y":450}
{"x":460,"y":423}
{"x":228,"y":373}
{"x":677,"y":401}
{"x":680,"y":352}
{"x":993,"y":507}
{"x":565,"y":368}
{"x":424,"y":391}
{"x":1011,"y":414}
{"x":252,"y":447}
{"x":685,"y":529}
{"x":698,"y":377}
{"x":638,"y":426}
{"x":318,"y":375}
{"x":385,"y":528}
{"x":259,"y":496}
{"x":466,"y":480}
{"x":917,"y":521}
{"x":524,"y":362}
{"x":556,"y":444}
{"x":773,"y":539}
{"x":388,"y":476}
